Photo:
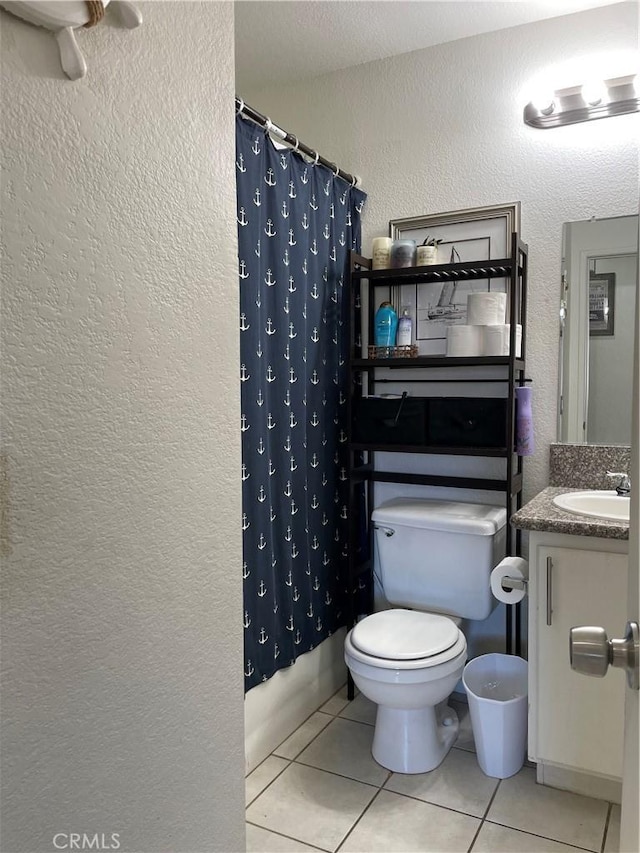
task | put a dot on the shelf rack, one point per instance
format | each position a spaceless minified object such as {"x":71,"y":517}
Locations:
{"x":364,"y":471}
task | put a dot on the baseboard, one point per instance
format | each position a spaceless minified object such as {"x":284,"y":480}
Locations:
{"x":579,"y":782}
{"x":276,"y":708}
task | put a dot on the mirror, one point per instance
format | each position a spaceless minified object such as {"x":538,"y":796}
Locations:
{"x":599,"y":284}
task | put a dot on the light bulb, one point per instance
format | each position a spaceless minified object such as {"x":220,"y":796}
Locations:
{"x":594,"y":92}
{"x":544,"y":102}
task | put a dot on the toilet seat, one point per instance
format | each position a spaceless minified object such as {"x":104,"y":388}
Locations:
{"x":406,"y":639}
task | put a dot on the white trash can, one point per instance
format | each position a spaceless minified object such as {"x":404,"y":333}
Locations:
{"x":496,"y":688}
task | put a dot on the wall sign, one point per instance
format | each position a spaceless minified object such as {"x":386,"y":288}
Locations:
{"x":602,"y":291}
{"x":65,"y":16}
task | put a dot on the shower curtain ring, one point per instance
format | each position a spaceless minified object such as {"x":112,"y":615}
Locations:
{"x":354,"y":181}
{"x":315,"y":162}
{"x":267,"y":125}
{"x":336,"y":171}
{"x":241,"y":107}
{"x":297,"y":145}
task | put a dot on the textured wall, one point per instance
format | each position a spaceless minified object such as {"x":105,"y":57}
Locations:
{"x":122,"y":695}
{"x":441,"y":129}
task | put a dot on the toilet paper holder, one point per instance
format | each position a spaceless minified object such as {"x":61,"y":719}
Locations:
{"x":508,"y":583}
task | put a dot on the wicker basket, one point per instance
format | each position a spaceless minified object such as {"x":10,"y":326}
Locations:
{"x":410,"y":351}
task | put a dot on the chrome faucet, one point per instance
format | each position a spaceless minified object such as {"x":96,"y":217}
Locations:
{"x":624,"y":486}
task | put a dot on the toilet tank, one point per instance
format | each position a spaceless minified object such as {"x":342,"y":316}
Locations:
{"x":438,"y":555}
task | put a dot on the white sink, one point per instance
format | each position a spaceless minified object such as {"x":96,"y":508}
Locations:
{"x":595,"y":504}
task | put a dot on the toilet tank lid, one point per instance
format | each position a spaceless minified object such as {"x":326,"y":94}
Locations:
{"x":446,"y":516}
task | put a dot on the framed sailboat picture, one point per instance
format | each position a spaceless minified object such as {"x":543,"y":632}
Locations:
{"x":477,"y":234}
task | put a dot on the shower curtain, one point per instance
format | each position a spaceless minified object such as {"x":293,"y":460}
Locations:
{"x":296,"y":224}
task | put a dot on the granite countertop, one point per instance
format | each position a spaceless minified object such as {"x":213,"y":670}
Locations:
{"x":542,"y":514}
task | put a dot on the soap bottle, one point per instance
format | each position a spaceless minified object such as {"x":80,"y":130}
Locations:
{"x":404,"y":329}
{"x":524,"y":422}
{"x":386,"y":326}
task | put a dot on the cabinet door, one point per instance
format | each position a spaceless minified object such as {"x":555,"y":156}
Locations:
{"x":580,"y":719}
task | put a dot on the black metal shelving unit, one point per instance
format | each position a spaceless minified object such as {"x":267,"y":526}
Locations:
{"x":362,"y":455}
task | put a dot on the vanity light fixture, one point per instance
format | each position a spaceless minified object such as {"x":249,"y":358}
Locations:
{"x":601,"y":99}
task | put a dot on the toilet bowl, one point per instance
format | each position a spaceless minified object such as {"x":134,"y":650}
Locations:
{"x":408,"y":663}
{"x":435,"y":558}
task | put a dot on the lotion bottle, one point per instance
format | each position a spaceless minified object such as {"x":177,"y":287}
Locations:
{"x":405,"y":328}
{"x":524,"y":422}
{"x":386,"y":325}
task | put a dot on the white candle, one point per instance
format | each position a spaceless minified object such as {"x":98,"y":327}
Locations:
{"x":427,"y":255}
{"x":381,"y":253}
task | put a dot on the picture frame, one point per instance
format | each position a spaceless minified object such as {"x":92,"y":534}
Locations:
{"x":602,"y":298}
{"x":475,"y":234}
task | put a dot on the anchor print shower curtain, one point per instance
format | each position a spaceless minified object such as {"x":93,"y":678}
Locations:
{"x":296,"y":225}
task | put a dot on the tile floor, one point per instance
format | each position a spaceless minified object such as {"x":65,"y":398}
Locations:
{"x":322,"y":790}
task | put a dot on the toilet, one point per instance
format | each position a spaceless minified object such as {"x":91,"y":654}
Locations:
{"x":435,"y":560}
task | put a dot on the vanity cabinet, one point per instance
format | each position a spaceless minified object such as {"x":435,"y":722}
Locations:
{"x":576,"y":723}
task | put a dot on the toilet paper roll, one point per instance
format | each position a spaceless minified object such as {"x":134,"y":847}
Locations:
{"x":495,"y":339}
{"x":464,"y":341}
{"x":486,"y":309}
{"x":510,"y":567}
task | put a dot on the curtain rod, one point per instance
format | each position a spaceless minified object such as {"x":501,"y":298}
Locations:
{"x":292,"y":140}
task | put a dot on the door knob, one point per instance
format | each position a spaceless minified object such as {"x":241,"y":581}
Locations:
{"x":591,"y":652}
